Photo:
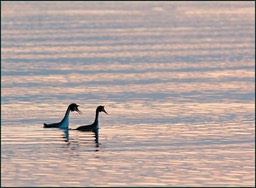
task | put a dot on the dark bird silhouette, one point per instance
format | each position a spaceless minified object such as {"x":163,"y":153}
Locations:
{"x":95,"y":126}
{"x":65,"y":121}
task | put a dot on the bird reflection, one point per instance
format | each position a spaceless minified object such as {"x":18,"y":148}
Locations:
{"x":65,"y":135}
{"x":96,"y":138}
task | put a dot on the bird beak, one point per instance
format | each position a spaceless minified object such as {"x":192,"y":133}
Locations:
{"x":78,"y":111}
{"x":104,"y":111}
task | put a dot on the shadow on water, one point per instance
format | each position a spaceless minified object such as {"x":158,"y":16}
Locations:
{"x":66,"y":136}
{"x":76,"y":139}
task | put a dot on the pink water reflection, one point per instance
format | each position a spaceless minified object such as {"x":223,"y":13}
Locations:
{"x":177,"y":80}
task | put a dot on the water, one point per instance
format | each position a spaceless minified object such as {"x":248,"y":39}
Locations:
{"x":177,"y":79}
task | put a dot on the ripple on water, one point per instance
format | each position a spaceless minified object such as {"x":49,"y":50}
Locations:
{"x":176,"y":80}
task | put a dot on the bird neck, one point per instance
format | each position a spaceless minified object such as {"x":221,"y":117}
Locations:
{"x":96,"y":121}
{"x":65,"y":121}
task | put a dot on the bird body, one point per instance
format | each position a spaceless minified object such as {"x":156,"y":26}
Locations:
{"x":95,"y":126}
{"x":65,"y":121}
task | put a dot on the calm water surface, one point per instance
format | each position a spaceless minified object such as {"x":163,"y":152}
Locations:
{"x":177,"y":79}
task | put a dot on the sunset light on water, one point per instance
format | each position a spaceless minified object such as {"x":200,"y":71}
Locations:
{"x":176,"y":78}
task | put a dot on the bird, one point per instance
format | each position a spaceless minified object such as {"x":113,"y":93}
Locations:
{"x":65,"y":121}
{"x":95,"y":126}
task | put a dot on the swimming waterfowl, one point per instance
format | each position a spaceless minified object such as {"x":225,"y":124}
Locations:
{"x":65,"y":121}
{"x":95,"y":126}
